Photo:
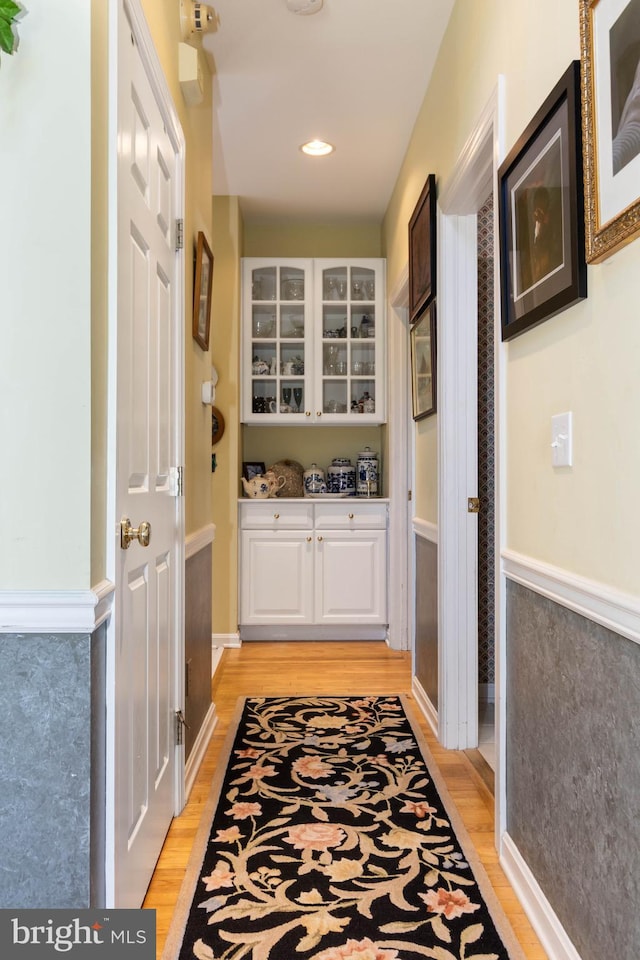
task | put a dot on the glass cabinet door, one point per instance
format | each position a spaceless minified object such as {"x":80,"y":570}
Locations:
{"x":276,"y":351}
{"x":313,"y":341}
{"x":348,"y":370}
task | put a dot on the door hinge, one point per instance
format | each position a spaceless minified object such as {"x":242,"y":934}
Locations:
{"x":473,"y":505}
{"x":179,"y":234}
{"x":181,"y":723}
{"x":176,"y":475}
{"x":410,"y":496}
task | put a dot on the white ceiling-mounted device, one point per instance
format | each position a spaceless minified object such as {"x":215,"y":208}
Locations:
{"x":304,"y":7}
{"x":196,"y":19}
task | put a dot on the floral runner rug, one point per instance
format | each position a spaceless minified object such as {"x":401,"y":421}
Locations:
{"x":331,"y":837}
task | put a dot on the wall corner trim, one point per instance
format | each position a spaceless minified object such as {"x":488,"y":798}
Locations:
{"x":612,"y":609}
{"x":55,"y":611}
{"x":544,"y":921}
{"x":197,"y":541}
{"x":423,"y":701}
{"x":425,"y":529}
{"x":199,"y":749}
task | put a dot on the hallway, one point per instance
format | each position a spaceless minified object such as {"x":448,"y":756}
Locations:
{"x":356,"y":668}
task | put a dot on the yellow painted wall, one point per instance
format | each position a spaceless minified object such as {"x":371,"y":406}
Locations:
{"x":312,"y":240}
{"x":583,"y":360}
{"x":225,"y":341}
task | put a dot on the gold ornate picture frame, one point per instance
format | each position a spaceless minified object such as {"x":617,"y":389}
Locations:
{"x":202,"y":286}
{"x":610,"y":51}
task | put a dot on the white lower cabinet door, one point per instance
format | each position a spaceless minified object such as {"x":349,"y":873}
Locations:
{"x":276,"y":581}
{"x":350,"y":576}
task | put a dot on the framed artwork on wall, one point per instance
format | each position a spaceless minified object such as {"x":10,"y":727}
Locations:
{"x":251,"y":469}
{"x":422,"y":250}
{"x":541,"y":202}
{"x":423,"y":363}
{"x":610,"y":48}
{"x":202,"y":286}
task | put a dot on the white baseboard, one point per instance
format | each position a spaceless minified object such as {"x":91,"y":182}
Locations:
{"x":544,"y":921}
{"x":216,"y":659}
{"x":617,"y":611}
{"x":199,"y":749}
{"x":226,"y":640}
{"x":427,"y":708}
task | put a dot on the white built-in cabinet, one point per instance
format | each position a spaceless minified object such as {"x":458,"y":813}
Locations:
{"x":310,"y":563}
{"x":313,"y":341}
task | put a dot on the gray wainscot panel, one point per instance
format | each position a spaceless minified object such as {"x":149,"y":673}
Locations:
{"x":197,"y":642}
{"x":573,"y":769}
{"x":426,"y":643}
{"x":45,"y":770}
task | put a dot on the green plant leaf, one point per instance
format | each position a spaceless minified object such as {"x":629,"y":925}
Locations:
{"x":8,"y":9}
{"x":7,"y":39}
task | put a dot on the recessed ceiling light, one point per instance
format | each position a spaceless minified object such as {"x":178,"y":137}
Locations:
{"x":317,"y":148}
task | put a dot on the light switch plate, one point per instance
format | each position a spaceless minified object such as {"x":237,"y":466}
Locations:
{"x":562,"y":440}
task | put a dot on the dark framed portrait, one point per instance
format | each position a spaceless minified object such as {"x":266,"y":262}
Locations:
{"x":541,"y":201}
{"x":422,"y":250}
{"x":423,"y":363}
{"x":202,"y":287}
{"x":610,"y":49}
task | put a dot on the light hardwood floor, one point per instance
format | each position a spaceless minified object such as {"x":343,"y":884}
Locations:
{"x":282,"y":669}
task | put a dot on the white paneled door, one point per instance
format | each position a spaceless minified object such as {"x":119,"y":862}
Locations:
{"x":148,"y":556}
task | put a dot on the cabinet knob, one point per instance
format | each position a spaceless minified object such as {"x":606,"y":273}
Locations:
{"x":309,"y":539}
{"x":318,"y":413}
{"x":319,"y":539}
{"x":276,"y":516}
{"x":307,"y":413}
{"x":350,"y":516}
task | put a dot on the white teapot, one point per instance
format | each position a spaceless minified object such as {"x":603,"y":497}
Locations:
{"x":263,"y":485}
{"x":259,"y":488}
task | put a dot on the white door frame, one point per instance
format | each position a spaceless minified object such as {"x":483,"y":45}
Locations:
{"x":400,"y":581}
{"x":171,"y":120}
{"x":474,"y":177}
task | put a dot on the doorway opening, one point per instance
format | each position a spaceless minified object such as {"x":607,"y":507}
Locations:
{"x":486,"y":484}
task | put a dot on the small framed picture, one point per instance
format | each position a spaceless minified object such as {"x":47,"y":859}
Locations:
{"x":540,"y":194}
{"x":422,"y":250}
{"x":610,"y":44}
{"x":251,"y":469}
{"x":423,"y":363}
{"x":202,"y":286}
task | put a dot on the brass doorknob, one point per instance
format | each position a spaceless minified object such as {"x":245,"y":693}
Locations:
{"x":128,"y":533}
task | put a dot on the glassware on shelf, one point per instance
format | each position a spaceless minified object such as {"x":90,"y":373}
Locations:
{"x":297,"y":396}
{"x":263,"y":326}
{"x":293,"y":288}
